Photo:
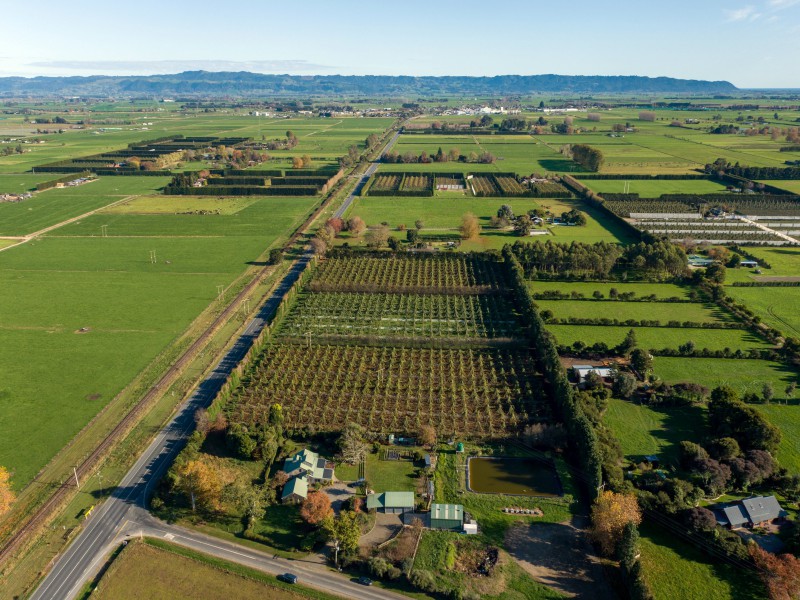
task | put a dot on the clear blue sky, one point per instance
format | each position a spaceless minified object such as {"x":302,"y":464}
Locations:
{"x":752,"y":43}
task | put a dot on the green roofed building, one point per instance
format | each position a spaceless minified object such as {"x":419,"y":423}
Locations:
{"x":295,"y":490}
{"x":391,"y":502}
{"x":446,"y":516}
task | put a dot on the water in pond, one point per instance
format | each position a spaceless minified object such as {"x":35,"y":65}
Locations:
{"x":519,"y":476}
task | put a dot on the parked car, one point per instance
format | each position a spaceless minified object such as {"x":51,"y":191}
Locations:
{"x":288,"y":578}
{"x":364,"y":581}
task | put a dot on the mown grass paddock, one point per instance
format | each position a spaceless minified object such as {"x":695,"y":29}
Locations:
{"x":54,"y":379}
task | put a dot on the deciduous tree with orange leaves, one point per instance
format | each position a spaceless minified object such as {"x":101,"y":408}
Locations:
{"x":201,"y":483}
{"x":780,"y":573}
{"x":610,"y":513}
{"x":316,"y":507}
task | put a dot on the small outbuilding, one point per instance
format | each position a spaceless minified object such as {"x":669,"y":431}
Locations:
{"x":446,"y":516}
{"x":581,"y":371}
{"x":395,"y":503}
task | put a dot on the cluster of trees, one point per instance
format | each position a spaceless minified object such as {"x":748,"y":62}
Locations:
{"x":352,"y":157}
{"x":585,"y":448}
{"x":574,"y":217}
{"x":452,"y":155}
{"x":576,"y":259}
{"x":9,"y":150}
{"x":722,"y":166}
{"x":588,"y":157}
{"x":301,"y":162}
{"x":289,"y":142}
{"x":262,"y":442}
{"x":333,"y":227}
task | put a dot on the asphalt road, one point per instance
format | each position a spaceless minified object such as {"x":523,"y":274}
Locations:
{"x":367,"y":174}
{"x":125,"y":510}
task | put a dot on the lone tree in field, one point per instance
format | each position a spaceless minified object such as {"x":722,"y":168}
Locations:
{"x":610,"y":514}
{"x":316,"y":508}
{"x":7,"y":496}
{"x":352,"y":445}
{"x":377,"y":237}
{"x":470,"y":227}
{"x":356,"y":226}
{"x":647,"y":115}
{"x":523,"y":225}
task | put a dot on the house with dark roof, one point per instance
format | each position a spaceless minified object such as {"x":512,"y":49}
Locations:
{"x":750,"y":512}
{"x":309,"y":464}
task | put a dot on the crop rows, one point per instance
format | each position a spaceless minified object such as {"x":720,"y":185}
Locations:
{"x":401,"y":316}
{"x":624,"y":208}
{"x":408,"y":274}
{"x":484,"y":186}
{"x":509,"y":185}
{"x":464,"y":391}
{"x":417,"y":183}
{"x":387,"y":182}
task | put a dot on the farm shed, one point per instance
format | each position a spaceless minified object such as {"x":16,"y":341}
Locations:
{"x":295,"y":490}
{"x":395,"y":503}
{"x":446,"y":516}
{"x":581,"y":371}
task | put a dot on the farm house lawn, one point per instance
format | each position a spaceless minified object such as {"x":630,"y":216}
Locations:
{"x":657,"y":338}
{"x":615,"y":309}
{"x":661,"y":290}
{"x":52,"y":380}
{"x":56,"y":205}
{"x":675,"y":569}
{"x":787,"y":417}
{"x":158,"y":571}
{"x":642,"y":430}
{"x":784,"y":261}
{"x":390,"y":475}
{"x":655,"y":188}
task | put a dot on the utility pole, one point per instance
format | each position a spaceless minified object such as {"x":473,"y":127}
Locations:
{"x":104,"y":230}
{"x":220,"y":293}
{"x":75,"y":472}
{"x":152,"y":257}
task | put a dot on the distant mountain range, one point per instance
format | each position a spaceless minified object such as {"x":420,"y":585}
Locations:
{"x":217,"y":84}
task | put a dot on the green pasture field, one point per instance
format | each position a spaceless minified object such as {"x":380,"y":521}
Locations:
{"x":777,"y":306}
{"x":656,"y":188}
{"x":787,"y":417}
{"x":175,"y":205}
{"x":53,"y":380}
{"x":614,"y":309}
{"x":56,"y":205}
{"x":599,"y":226}
{"x":661,"y":290}
{"x":5,"y":243}
{"x":159,"y":571}
{"x":323,"y":139}
{"x":643,"y":431}
{"x":789,"y":185}
{"x":657,"y":338}
{"x":675,"y":569}
{"x":743,"y":375}
{"x":514,"y":153}
{"x":25,"y":182}
{"x":785,"y":262}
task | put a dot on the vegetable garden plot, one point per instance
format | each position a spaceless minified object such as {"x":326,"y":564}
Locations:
{"x":446,"y":274}
{"x":402,"y":316}
{"x":480,"y":393}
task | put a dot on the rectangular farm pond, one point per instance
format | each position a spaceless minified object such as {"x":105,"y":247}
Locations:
{"x":513,"y":476}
